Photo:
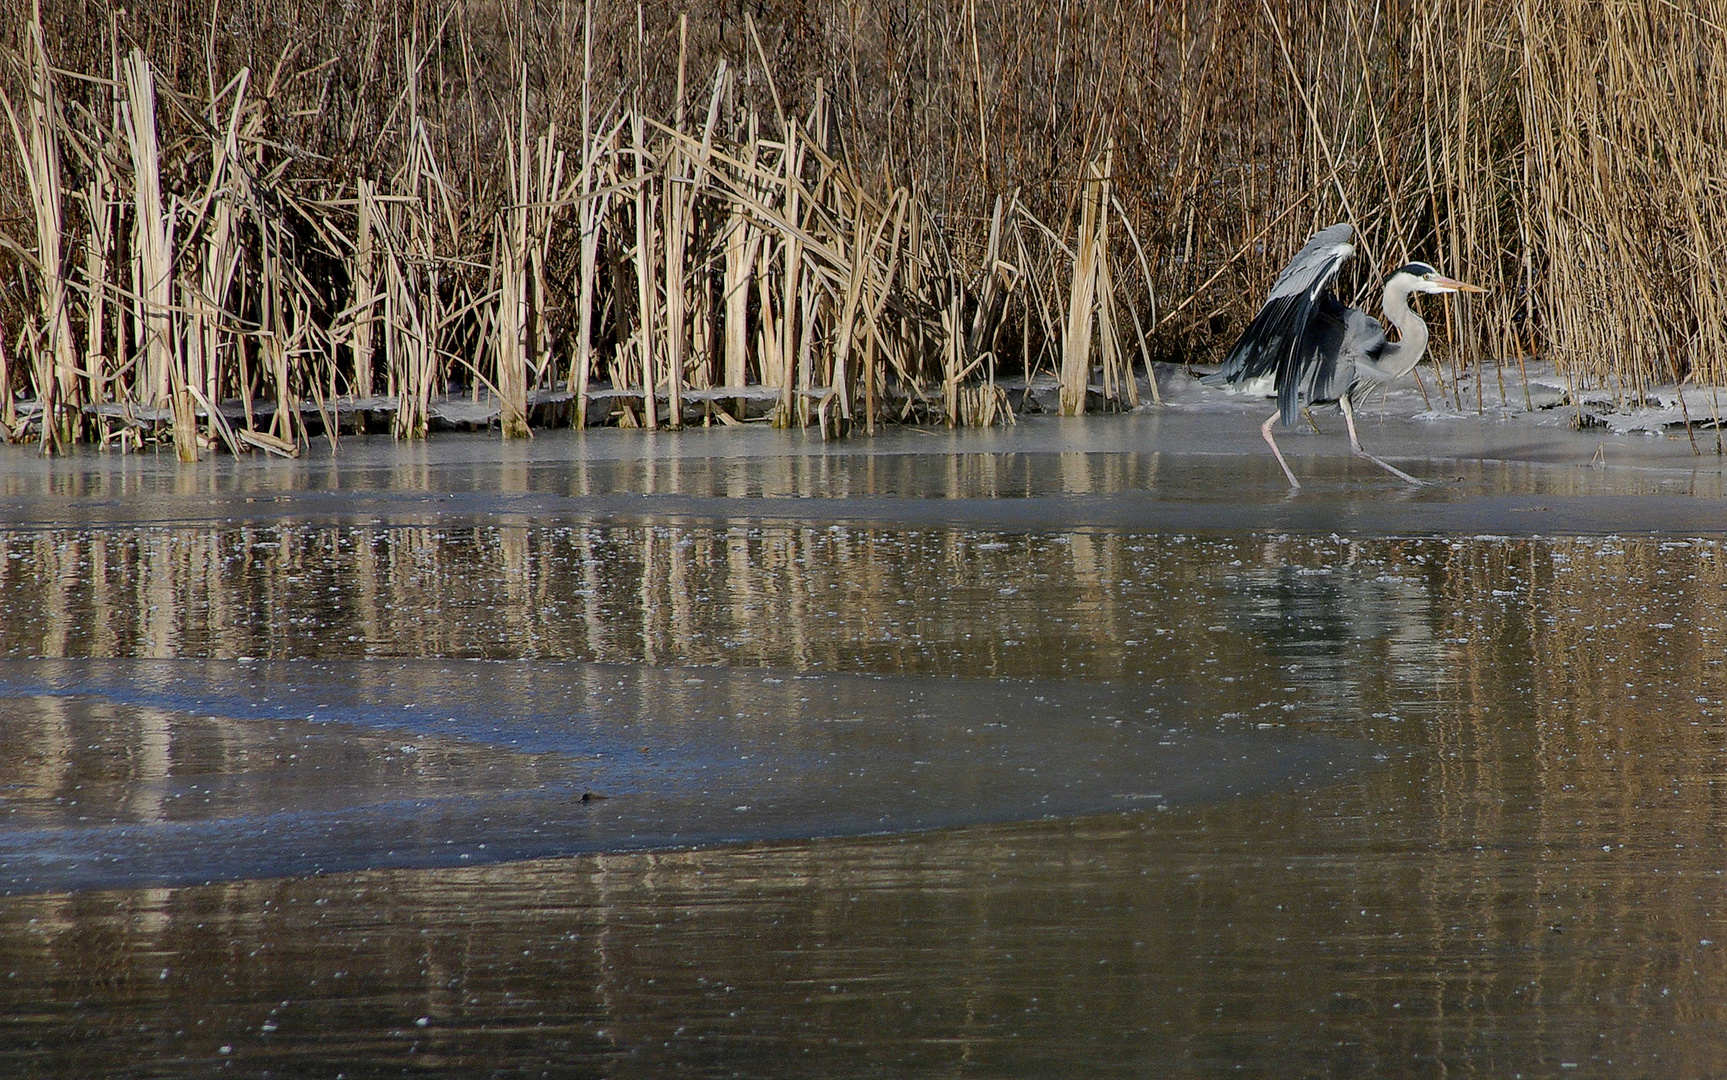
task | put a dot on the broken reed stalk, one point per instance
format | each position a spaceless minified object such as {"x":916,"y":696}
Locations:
{"x":511,"y":260}
{"x":163,"y":377}
{"x":646,"y":256}
{"x":1082,"y":296}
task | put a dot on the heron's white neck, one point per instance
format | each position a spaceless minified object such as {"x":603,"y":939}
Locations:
{"x":1411,"y":345}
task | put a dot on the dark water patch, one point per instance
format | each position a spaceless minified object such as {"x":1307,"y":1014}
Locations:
{"x":268,"y":769}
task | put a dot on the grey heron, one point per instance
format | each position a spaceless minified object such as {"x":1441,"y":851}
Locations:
{"x":1314,"y":350}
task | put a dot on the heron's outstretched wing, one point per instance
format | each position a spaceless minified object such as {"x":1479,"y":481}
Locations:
{"x":1276,"y":342}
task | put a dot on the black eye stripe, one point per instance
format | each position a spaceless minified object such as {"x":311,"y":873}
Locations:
{"x":1416,"y":269}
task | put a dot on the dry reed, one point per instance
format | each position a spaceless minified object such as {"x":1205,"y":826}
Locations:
{"x":235,"y":229}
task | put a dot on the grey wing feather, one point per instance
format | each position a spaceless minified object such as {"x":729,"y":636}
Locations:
{"x":1363,"y":336}
{"x":1316,"y":263}
{"x":1278,"y":342}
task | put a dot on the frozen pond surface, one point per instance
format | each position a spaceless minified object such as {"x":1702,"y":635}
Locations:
{"x":294,"y":767}
{"x":1076,"y":748}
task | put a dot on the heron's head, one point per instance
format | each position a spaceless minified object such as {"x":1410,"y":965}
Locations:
{"x":1420,"y":277}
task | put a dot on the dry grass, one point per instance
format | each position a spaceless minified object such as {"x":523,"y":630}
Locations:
{"x":236,"y":226}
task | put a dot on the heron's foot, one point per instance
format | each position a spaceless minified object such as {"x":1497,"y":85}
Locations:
{"x":1392,"y":469}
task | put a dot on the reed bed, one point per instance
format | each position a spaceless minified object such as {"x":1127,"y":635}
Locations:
{"x":240,"y":228}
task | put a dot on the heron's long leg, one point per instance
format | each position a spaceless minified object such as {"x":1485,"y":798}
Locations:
{"x":1265,"y":429}
{"x":1355,"y":445}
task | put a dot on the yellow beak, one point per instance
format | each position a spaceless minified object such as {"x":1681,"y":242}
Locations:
{"x":1456,"y":286}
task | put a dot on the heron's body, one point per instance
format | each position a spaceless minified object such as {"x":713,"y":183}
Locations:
{"x":1314,"y":350}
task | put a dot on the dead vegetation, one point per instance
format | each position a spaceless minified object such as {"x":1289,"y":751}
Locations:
{"x":242,"y":225}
